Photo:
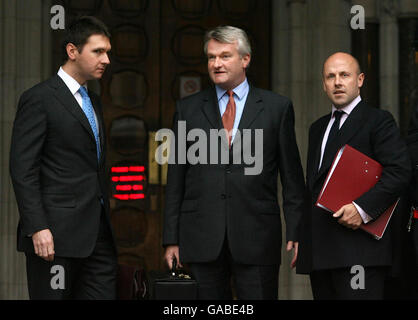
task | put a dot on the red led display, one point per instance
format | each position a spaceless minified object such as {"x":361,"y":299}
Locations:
{"x":127,"y":178}
{"x":129,"y":196}
{"x":126,"y":182}
{"x":128,"y":169}
{"x":128,"y":187}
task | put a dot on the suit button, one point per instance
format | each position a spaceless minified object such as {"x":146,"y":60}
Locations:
{"x":223,"y":196}
{"x":228,"y":171}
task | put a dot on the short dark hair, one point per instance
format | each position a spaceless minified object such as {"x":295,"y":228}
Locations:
{"x":80,"y":30}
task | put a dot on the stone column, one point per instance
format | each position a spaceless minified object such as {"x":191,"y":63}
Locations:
{"x":298,"y":286}
{"x":305,"y":33}
{"x":289,"y":77}
{"x":24,"y":34}
{"x":389,"y":57}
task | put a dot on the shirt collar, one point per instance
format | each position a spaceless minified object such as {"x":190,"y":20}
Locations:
{"x":69,"y":81}
{"x":240,"y":91}
{"x":348,"y":108}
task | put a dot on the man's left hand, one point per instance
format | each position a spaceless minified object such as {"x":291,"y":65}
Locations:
{"x":293,"y":245}
{"x":349,"y":216}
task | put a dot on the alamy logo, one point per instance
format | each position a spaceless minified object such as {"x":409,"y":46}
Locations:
{"x":58,"y":20}
{"x":357,"y":281}
{"x":58,"y":280}
{"x":197,"y":153}
{"x":357,"y":21}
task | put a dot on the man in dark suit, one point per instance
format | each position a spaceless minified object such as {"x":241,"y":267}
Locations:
{"x":403,"y":283}
{"x":221,"y":218}
{"x":57,"y":166}
{"x":330,"y":244}
{"x":412,"y":142}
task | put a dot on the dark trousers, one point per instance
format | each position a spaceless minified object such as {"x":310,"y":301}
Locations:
{"x":251,"y":282}
{"x":341,"y":284}
{"x":90,"y":278}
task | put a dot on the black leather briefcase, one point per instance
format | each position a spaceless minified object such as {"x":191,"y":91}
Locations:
{"x":173,"y":286}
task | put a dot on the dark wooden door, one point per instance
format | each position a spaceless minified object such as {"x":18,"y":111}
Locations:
{"x":157,"y":57}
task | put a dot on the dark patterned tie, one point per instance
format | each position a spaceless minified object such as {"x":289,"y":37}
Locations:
{"x":332,"y":133}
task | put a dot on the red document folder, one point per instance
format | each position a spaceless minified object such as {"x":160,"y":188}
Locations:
{"x":352,"y":174}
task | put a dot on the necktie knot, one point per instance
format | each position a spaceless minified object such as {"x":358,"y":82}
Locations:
{"x":83,"y":92}
{"x":230,"y":93}
{"x":338,"y":115}
{"x":337,"y":119}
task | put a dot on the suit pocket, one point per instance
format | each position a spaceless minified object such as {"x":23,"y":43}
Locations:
{"x":188,"y":206}
{"x":59,"y":200}
{"x":268,"y":207}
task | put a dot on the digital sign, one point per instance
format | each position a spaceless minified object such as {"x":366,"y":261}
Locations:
{"x":128,"y":182}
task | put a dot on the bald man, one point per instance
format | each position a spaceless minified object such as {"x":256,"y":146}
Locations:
{"x":330,"y":244}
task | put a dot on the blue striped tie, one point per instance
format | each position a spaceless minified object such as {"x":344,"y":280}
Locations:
{"x":88,"y":110}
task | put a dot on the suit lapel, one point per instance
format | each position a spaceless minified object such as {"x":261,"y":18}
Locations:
{"x":210,"y":108}
{"x":316,"y":138}
{"x":64,"y":95}
{"x":98,"y":111}
{"x":252,"y":108}
{"x":350,"y":127}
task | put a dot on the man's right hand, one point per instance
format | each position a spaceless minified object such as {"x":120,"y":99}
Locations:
{"x":170,"y":252}
{"x":43,"y":244}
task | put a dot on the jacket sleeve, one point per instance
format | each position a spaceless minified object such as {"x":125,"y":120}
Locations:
{"x":28,"y":136}
{"x":175,"y":187}
{"x":412,"y":142}
{"x":390,"y":151}
{"x":291,"y":174}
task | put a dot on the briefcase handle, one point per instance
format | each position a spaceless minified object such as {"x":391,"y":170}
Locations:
{"x":173,"y":266}
{"x":177,"y":275}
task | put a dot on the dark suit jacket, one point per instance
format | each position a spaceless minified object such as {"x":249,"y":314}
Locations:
{"x":56,"y":176}
{"x":207,"y":202}
{"x":412,"y":142}
{"x":324,"y":243}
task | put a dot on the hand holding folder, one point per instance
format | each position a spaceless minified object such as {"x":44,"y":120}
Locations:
{"x":349,"y":216}
{"x":351,"y":175}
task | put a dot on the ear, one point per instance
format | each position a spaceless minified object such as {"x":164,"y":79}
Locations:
{"x":72,"y":51}
{"x":246,"y":61}
{"x":360,"y":80}
{"x":323,"y":84}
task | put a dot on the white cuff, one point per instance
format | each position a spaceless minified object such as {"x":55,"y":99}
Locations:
{"x":364,"y":216}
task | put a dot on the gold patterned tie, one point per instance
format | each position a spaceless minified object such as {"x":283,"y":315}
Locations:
{"x":228,"y":117}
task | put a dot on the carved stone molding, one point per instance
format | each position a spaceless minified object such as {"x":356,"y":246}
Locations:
{"x":289,"y":2}
{"x":389,"y":8}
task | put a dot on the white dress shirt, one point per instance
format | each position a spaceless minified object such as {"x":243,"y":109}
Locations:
{"x":346,"y":112}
